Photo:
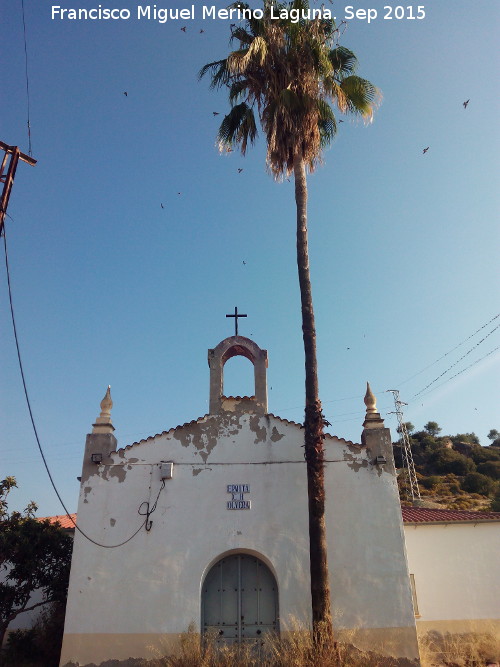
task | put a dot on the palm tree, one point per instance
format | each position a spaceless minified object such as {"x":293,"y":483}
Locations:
{"x":287,"y":73}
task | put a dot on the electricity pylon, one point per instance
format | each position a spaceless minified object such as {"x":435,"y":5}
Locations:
{"x":412,"y":491}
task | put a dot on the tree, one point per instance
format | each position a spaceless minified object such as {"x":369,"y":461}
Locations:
{"x":446,"y":461}
{"x":490,"y":468}
{"x":34,"y":555}
{"x":475,"y":482}
{"x":494,"y":436}
{"x":467,"y":438}
{"x":482,"y":454}
{"x":495,"y":503}
{"x":433,"y":429}
{"x":287,"y":73}
{"x":409,"y":427}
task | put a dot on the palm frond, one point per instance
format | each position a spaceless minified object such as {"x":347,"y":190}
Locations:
{"x":236,"y":90}
{"x":247,"y":131}
{"x":327,"y":123}
{"x":286,"y":74}
{"x":289,"y":101}
{"x":362,"y":97}
{"x":237,"y":128}
{"x":241,"y":35}
{"x":255,"y":54}
{"x":219,"y":72}
{"x":343,"y":60}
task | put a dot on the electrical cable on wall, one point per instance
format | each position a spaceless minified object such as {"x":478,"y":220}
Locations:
{"x":150,"y":510}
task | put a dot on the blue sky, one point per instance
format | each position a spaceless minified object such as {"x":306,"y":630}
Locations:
{"x":109,"y":288}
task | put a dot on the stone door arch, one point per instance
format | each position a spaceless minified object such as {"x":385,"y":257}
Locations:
{"x":239,"y":600}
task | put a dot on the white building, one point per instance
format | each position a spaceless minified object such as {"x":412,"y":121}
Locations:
{"x":212,"y":521}
{"x":454,"y":563}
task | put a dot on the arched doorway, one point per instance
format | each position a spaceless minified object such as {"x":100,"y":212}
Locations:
{"x":239,"y":599}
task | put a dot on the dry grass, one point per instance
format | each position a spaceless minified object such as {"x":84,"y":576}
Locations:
{"x":459,"y":650}
{"x":294,"y":649}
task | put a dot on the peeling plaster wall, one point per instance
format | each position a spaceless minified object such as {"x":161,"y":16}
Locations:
{"x":151,"y":586}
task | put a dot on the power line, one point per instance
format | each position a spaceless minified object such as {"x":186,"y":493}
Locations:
{"x":457,"y":362}
{"x":464,"y":369}
{"x":105,"y":546}
{"x":450,"y":351}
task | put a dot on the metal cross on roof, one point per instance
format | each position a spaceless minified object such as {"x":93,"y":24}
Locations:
{"x":236,"y":315}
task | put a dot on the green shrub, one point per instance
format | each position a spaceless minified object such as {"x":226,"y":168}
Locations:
{"x":474,"y":482}
{"x":448,"y":461}
{"x":490,"y":468}
{"x":481,"y":454}
{"x":495,"y":503}
{"x":40,"y":646}
{"x":430,"y":482}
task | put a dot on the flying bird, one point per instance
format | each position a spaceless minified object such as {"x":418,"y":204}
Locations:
{"x":201,"y":31}
{"x":179,"y":193}
{"x":340,"y":120}
{"x":183,"y":29}
{"x":215,"y":113}
{"x":425,"y":150}
{"x":161,"y":205}
{"x":244,"y":262}
{"x":125,"y":93}
{"x":465,"y":103}
{"x":240,"y":170}
{"x":326,"y":422}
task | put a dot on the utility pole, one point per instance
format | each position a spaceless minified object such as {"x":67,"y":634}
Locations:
{"x":7,"y":174}
{"x":412,"y":492}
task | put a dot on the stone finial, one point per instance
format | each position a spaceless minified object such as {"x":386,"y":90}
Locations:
{"x":370,"y":400}
{"x":103,"y":422}
{"x":372,"y":418}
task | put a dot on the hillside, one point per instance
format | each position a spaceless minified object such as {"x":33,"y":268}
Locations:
{"x":453,"y":471}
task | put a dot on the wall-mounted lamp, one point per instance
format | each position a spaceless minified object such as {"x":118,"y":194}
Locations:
{"x":380,"y":460}
{"x":96,"y":458}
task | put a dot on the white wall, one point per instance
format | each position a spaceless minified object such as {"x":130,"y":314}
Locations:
{"x":152,"y":585}
{"x":457,"y":573}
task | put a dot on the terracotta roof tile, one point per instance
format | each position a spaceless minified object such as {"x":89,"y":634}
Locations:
{"x":410,"y":515}
{"x":63,"y":519}
{"x":206,"y":416}
{"x":427,"y":515}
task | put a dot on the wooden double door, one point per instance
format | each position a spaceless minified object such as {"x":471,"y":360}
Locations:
{"x":239,"y":600}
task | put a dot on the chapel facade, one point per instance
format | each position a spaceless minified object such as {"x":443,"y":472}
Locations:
{"x":211,"y":519}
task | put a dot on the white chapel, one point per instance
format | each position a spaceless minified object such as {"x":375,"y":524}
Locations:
{"x":212,"y":527}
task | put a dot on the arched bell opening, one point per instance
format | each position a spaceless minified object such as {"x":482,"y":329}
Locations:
{"x":238,"y":377}
{"x":218,"y":357}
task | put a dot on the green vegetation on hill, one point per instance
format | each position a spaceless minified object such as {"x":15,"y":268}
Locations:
{"x":453,"y":471}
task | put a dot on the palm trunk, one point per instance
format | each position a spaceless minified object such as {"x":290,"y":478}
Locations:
{"x":313,"y":427}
